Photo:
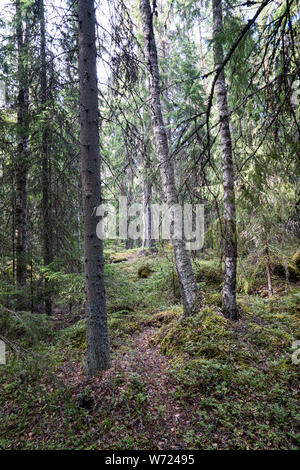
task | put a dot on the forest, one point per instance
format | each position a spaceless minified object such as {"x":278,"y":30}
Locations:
{"x":150,"y":225}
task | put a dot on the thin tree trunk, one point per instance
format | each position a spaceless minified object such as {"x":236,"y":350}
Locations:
{"x":96,"y":320}
{"x":229,"y":288}
{"x":147,"y":198}
{"x":151,"y":242}
{"x":268,"y":269}
{"x":21,"y":232}
{"x":46,"y":183}
{"x":268,"y":265}
{"x":187,"y":282}
{"x":202,"y":62}
{"x":13,"y":238}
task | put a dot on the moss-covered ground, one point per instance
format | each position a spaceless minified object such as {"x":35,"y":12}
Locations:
{"x":198,"y":383}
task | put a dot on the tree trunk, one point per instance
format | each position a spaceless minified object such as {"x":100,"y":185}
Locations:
{"x":46,"y":180}
{"x":268,"y":269}
{"x":22,"y":151}
{"x":268,"y":264}
{"x":187,"y":282}
{"x":147,"y":198}
{"x":229,"y":288}
{"x":97,"y":341}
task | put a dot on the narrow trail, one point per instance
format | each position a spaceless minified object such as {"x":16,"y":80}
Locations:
{"x":161,"y":390}
{"x":160,"y":418}
{"x":166,"y":422}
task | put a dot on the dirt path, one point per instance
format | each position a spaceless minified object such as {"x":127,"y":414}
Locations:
{"x":161,"y":390}
{"x":161,"y":420}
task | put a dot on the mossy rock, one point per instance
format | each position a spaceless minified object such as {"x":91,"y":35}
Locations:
{"x":164,"y":317}
{"x":193,"y":335}
{"x":290,"y":271}
{"x":296,"y":259}
{"x":144,"y":272}
{"x":118,"y":258}
{"x":121,"y":313}
{"x":214,"y":298}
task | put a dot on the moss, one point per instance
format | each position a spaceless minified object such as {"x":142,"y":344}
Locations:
{"x":192,"y":335}
{"x":144,"y":271}
{"x":74,"y":335}
{"x":164,"y":317}
{"x":289,"y":272}
{"x":214,"y":298}
{"x":295,"y":259}
{"x":201,"y":375}
{"x":124,"y":326}
{"x":272,"y":337}
{"x":120,"y":256}
{"x":209,"y":273}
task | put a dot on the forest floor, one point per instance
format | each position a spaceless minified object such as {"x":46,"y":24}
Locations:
{"x":200,"y":383}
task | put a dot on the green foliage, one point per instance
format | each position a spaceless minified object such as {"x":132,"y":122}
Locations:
{"x":296,"y":260}
{"x":73,"y":336}
{"x":68,"y":287}
{"x":237,"y":373}
{"x":24,"y":327}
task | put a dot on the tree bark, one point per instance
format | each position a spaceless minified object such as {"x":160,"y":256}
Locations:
{"x":229,"y":287}
{"x":46,"y":178}
{"x":186,"y":278}
{"x":147,"y":213}
{"x":97,"y":341}
{"x":268,"y":269}
{"x":21,"y":230}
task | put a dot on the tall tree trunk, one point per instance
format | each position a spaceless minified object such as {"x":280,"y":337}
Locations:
{"x":187,"y":282}
{"x":46,"y":179}
{"x":229,"y":288}
{"x":21,"y":232}
{"x":96,"y":319}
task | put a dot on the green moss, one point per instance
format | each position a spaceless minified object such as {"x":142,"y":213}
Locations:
{"x":192,"y":335}
{"x":120,"y":256}
{"x":164,"y":317}
{"x":208,"y":272}
{"x":288,"y":270}
{"x":295,"y":259}
{"x":144,"y":271}
{"x":214,"y":298}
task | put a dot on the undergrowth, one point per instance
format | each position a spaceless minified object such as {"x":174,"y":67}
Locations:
{"x":236,"y":380}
